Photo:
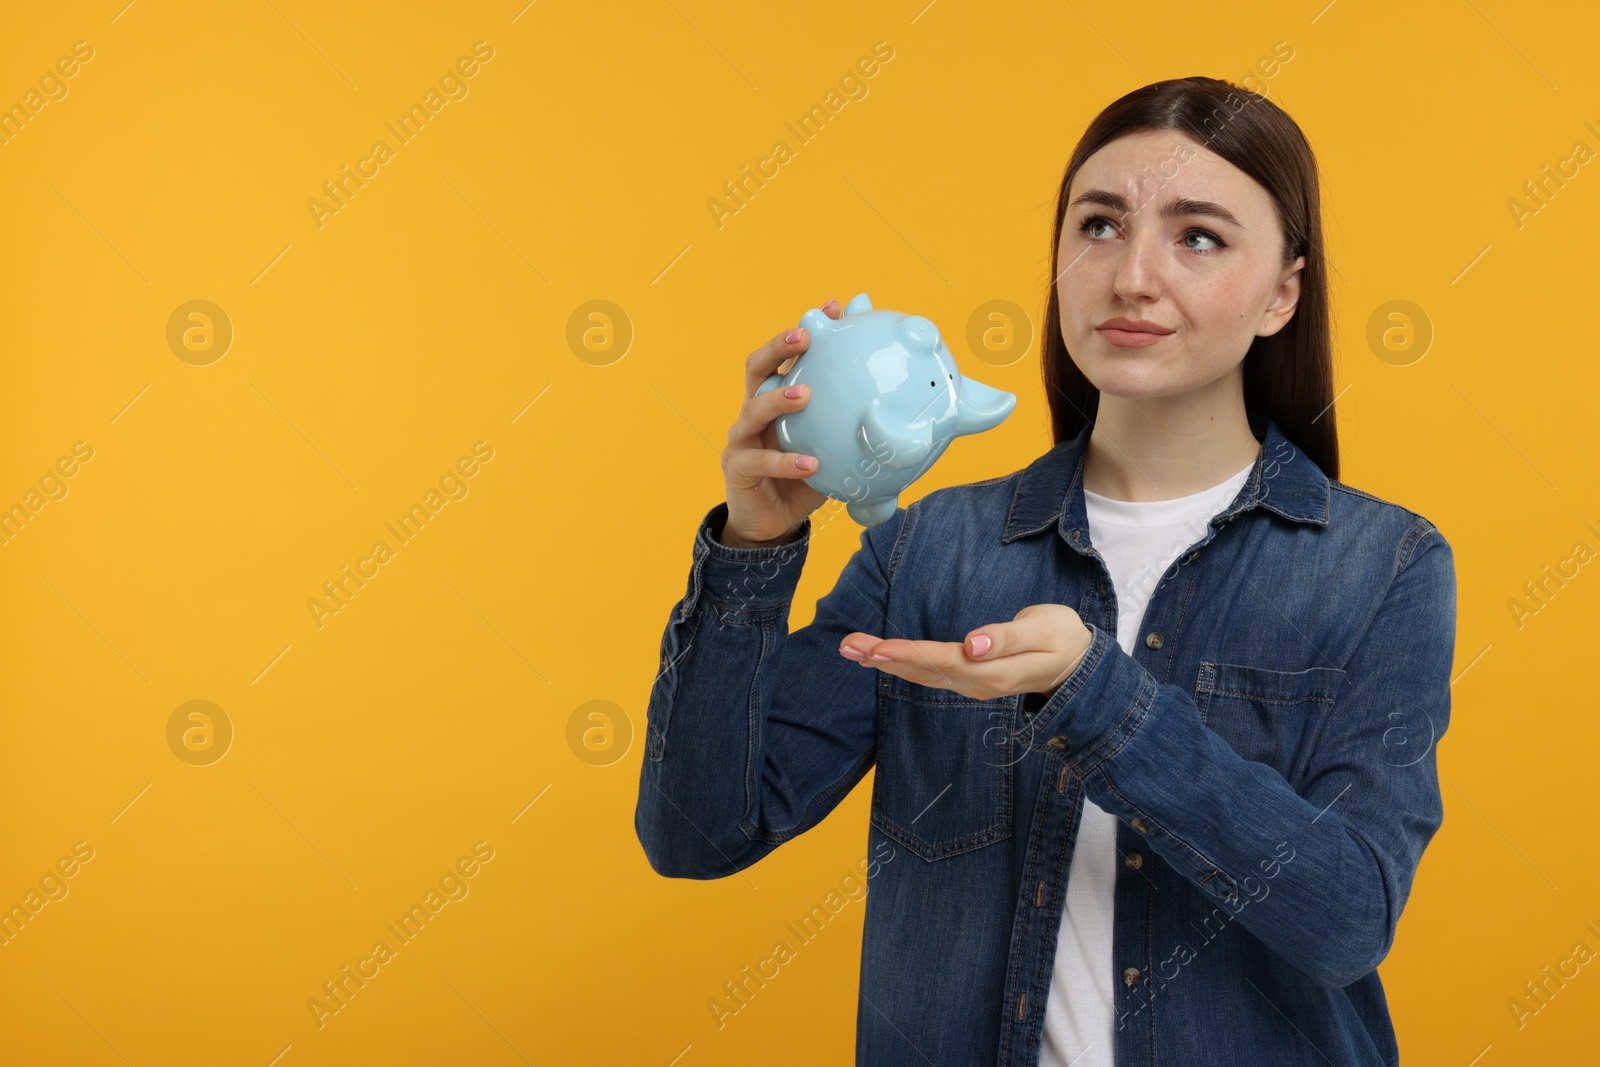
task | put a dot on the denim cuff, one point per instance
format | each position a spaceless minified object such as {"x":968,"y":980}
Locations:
{"x":1100,"y":705}
{"x":741,"y":581}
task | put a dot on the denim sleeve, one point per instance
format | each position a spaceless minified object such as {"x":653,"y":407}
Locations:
{"x":754,"y":734}
{"x":1319,"y":877}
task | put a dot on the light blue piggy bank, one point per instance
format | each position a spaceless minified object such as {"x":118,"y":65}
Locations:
{"x":886,"y":400}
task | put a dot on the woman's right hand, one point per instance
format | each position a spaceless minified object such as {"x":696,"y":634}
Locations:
{"x":768,"y":499}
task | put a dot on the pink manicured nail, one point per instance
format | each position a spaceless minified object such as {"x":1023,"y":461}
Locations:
{"x":851,"y":653}
{"x":981,"y":644}
{"x":793,"y":392}
{"x":792,"y":337}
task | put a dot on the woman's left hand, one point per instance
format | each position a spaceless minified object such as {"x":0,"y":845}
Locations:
{"x":1034,"y":653}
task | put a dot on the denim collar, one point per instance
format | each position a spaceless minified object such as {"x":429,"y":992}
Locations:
{"x":1050,"y":490}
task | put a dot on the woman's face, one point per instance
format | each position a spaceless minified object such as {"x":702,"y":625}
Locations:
{"x":1162,"y":231}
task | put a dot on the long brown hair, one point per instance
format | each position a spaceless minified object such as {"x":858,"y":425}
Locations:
{"x":1288,"y":377}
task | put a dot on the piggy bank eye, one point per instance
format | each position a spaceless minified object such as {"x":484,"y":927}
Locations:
{"x":934,"y":384}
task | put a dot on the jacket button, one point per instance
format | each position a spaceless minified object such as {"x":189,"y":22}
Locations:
{"x":1134,"y":860}
{"x":1138,"y":824}
{"x":1152,"y":640}
{"x":1057,"y":743}
{"x":1130,"y":976}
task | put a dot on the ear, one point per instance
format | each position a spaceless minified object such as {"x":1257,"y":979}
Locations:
{"x":1284,"y":301}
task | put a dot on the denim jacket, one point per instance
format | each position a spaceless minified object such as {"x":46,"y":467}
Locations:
{"x":1269,"y":752}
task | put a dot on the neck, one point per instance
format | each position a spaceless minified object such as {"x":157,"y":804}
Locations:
{"x":1161,"y":448}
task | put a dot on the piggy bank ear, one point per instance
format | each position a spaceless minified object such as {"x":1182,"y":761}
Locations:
{"x":918,"y":332}
{"x":816,"y":320}
{"x":858,"y":303}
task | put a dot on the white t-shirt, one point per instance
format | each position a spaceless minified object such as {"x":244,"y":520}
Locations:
{"x":1139,"y":540}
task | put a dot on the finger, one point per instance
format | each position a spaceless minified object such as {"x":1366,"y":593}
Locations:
{"x":833,"y":310}
{"x":941,"y":665}
{"x":875,"y":650}
{"x":758,"y":412}
{"x":764,"y":362}
{"x":927,"y":662}
{"x":797,"y":347}
{"x":1029,"y":631}
{"x":856,"y":645}
{"x":996,"y":641}
{"x":936,"y":664}
{"x":754,"y":464}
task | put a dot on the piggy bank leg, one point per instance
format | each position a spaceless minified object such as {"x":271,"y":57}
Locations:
{"x":873,"y":512}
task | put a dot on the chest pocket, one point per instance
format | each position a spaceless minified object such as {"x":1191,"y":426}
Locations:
{"x":944,"y":771}
{"x":1271,"y":717}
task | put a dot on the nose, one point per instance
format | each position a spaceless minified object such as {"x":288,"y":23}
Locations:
{"x":1137,"y":276}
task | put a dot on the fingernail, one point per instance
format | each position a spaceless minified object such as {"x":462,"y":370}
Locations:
{"x":792,"y":337}
{"x":981,"y":644}
{"x":851,"y":653}
{"x":793,"y":392}
{"x":829,"y":304}
{"x":805,"y":463}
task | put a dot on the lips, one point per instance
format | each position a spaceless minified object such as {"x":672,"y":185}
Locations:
{"x":1132,"y":333}
{"x":1133,"y":326}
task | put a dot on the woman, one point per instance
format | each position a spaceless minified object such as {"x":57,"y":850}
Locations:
{"x":1154,"y":719}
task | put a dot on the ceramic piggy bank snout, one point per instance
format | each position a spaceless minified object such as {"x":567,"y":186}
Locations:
{"x":886,"y":401}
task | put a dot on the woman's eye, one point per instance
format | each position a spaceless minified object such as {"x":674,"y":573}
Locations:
{"x":1216,"y":242}
{"x":1091,"y":221}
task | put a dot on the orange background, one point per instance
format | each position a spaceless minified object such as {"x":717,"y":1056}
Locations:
{"x":447,"y":703}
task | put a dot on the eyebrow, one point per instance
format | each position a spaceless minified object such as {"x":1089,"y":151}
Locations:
{"x":1172,"y":208}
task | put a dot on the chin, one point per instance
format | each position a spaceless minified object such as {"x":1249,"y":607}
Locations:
{"x":1123,"y":373}
{"x":1139,"y":391}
